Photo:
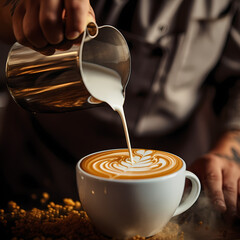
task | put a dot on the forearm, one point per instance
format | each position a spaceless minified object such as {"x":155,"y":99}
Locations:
{"x":6,"y":31}
{"x":228,"y":146}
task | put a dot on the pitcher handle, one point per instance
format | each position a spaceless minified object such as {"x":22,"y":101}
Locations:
{"x":91,"y":31}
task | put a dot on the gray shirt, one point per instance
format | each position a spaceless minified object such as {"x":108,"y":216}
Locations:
{"x":177,"y":47}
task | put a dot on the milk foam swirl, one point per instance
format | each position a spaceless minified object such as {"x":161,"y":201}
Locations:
{"x":117,"y":164}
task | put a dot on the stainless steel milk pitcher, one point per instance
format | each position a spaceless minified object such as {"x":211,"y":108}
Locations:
{"x":55,"y":83}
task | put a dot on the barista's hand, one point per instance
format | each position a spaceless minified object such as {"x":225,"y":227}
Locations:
{"x":46,"y":25}
{"x":219,"y":173}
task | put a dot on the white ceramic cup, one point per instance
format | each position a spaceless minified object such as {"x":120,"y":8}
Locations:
{"x":124,"y":208}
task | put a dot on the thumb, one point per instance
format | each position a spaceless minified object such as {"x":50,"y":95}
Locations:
{"x":91,"y":23}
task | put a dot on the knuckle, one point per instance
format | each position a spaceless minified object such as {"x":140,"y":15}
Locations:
{"x":75,"y":6}
{"x":213,"y":160}
{"x":51,"y":28}
{"x":48,"y":20}
{"x":231,"y":165}
{"x":217,"y":195}
{"x":210,"y":177}
{"x":229,"y":187}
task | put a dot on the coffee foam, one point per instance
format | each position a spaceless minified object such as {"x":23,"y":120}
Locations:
{"x":116,"y":164}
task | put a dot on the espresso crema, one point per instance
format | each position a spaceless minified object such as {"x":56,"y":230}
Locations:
{"x":116,"y":164}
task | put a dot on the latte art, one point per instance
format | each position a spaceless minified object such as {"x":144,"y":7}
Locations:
{"x":116,"y":164}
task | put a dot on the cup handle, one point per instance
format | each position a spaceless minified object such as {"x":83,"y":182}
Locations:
{"x":193,"y":195}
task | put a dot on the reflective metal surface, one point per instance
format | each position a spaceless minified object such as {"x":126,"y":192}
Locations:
{"x":54,"y":83}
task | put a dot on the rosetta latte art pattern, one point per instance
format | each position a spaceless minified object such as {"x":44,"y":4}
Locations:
{"x":116,"y":164}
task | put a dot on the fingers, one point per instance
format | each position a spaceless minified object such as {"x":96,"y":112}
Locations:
{"x":40,"y":24}
{"x":212,"y":183}
{"x":50,"y":17}
{"x":17,"y":22}
{"x":221,"y":181}
{"x":31,"y":27}
{"x":230,"y":190}
{"x":77,"y":12}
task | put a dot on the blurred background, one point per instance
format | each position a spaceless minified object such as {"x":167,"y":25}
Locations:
{"x":3,"y":94}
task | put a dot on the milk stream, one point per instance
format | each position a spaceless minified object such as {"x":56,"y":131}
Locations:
{"x":105,"y":85}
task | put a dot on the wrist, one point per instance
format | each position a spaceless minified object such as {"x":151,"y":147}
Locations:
{"x":228,"y":146}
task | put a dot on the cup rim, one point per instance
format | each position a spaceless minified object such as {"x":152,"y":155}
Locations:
{"x":139,"y":180}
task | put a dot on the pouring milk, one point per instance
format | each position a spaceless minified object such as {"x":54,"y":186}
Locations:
{"x":105,"y":85}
